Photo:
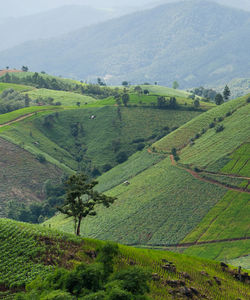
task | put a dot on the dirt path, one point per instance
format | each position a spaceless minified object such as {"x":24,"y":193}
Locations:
{"x":225,"y":174}
{"x":17,"y":120}
{"x":206,"y":242}
{"x":213,"y":181}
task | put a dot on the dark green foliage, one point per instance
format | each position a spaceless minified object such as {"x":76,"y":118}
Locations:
{"x":41,"y":158}
{"x":11,"y":100}
{"x":38,"y":212}
{"x":248,"y":100}
{"x":226,"y":93}
{"x":107,"y":254}
{"x":134,"y":280}
{"x":218,"y":99}
{"x":81,"y":199}
{"x":121,"y":157}
{"x":219,"y":128}
{"x":205,"y":93}
{"x":125,"y":99}
{"x":211,"y":125}
{"x":91,"y":281}
{"x":196,"y":103}
{"x":164,"y":103}
{"x":140,"y":146}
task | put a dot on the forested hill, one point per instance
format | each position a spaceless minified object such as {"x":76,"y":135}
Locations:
{"x":195,"y":42}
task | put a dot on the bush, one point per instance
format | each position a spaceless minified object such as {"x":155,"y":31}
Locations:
{"x":228,"y":114}
{"x":140,"y":146}
{"x":121,"y":157}
{"x":220,"y":119}
{"x":134,"y":280}
{"x":219,"y":128}
{"x":41,"y":158}
{"x":248,"y":100}
{"x":197,"y":136}
{"x":106,"y":167}
{"x":211,"y":125}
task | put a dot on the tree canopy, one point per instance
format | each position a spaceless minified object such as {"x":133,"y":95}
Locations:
{"x":81,"y":199}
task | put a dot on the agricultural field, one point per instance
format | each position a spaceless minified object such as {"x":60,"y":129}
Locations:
{"x":136,"y":163}
{"x":223,"y":251}
{"x":181,"y":137}
{"x":66,"y":98}
{"x":243,"y":261}
{"x":161,"y":205}
{"x":211,"y":147}
{"x":165,"y":91}
{"x":228,"y":219}
{"x":239,"y":161}
{"x":101,"y":139}
{"x":31,"y":250}
{"x":16,"y":87}
{"x":12,"y":116}
{"x":16,"y":182}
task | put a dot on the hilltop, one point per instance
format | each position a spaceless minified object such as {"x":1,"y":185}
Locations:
{"x":31,"y":250}
{"x":151,"y":45}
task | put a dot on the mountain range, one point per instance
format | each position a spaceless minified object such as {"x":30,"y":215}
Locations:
{"x":195,"y":42}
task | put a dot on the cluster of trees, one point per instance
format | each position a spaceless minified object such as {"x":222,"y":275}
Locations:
{"x":11,"y":100}
{"x":39,"y":212}
{"x":122,"y":97}
{"x":164,"y":103}
{"x":205,"y":93}
{"x":96,"y":281}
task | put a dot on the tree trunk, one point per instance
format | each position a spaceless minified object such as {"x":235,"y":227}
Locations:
{"x":78,"y":226}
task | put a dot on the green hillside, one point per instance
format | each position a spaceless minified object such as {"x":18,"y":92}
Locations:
{"x":167,"y":203}
{"x":77,"y":141}
{"x":65,"y":98}
{"x":22,"y":176}
{"x":16,"y":87}
{"x":31,"y":250}
{"x":181,"y":137}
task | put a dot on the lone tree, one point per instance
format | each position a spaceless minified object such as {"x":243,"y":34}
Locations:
{"x":125,"y":99}
{"x":81,"y":199}
{"x":226,"y":93}
{"x":218,"y":99}
{"x":175,"y":85}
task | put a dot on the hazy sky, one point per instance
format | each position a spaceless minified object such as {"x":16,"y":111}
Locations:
{"x":14,"y":8}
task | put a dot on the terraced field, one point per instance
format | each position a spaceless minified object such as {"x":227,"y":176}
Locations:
{"x":239,"y":161}
{"x":30,"y":250}
{"x":161,"y":205}
{"x":16,"y":182}
{"x":182,"y":136}
{"x":66,"y":98}
{"x":211,"y":147}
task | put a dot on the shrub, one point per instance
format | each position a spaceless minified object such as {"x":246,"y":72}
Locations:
{"x":248,"y":100}
{"x":41,"y":158}
{"x":228,"y":114}
{"x":219,"y":128}
{"x":134,"y":280}
{"x":211,"y":125}
{"x":106,"y":167}
{"x":140,"y":146}
{"x":197,"y":136}
{"x":121,"y":157}
{"x":220,"y":119}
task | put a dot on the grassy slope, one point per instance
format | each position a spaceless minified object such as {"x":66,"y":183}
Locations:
{"x":160,"y":206}
{"x":16,"y":87}
{"x":11,"y":116}
{"x":26,"y":248}
{"x":213,"y":146}
{"x":66,"y":98}
{"x":22,"y":175}
{"x":99,"y":134}
{"x":182,"y":136}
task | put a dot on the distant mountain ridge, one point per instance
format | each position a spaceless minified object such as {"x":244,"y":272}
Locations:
{"x":195,"y":42}
{"x":49,"y":24}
